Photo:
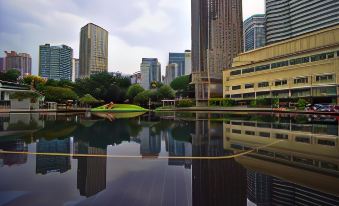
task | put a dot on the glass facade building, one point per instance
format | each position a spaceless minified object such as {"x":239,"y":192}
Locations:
{"x":179,"y":59}
{"x":150,"y":71}
{"x":254,"y":32}
{"x":55,"y":62}
{"x":93,"y":50}
{"x":290,"y":18}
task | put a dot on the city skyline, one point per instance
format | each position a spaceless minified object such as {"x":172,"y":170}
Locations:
{"x":131,"y":39}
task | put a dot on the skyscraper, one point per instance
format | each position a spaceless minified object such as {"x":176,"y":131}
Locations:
{"x":55,"y":62}
{"x":217,"y":37}
{"x":188,"y":62}
{"x":75,"y":69}
{"x":93,"y":50}
{"x":2,"y":64}
{"x":22,"y":62}
{"x":254,"y":32}
{"x":289,"y":18}
{"x":171,"y":73}
{"x":179,"y":59}
{"x":150,"y":71}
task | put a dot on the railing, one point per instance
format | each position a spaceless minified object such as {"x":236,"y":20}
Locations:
{"x":5,"y":104}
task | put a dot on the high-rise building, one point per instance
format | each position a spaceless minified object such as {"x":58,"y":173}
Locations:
{"x":2,"y":64}
{"x":217,"y":37}
{"x":150,"y":72}
{"x":75,"y":69}
{"x":290,"y":18}
{"x":254,"y":32}
{"x":188,"y":62}
{"x":21,"y":62}
{"x":93,"y":50}
{"x":136,"y":78}
{"x":55,"y":62}
{"x":171,"y":73}
{"x":179,"y":59}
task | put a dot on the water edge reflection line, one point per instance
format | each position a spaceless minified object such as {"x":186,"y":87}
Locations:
{"x":140,"y":156}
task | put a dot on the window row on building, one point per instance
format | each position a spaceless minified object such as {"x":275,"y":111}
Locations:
{"x":296,"y":61}
{"x":320,"y":78}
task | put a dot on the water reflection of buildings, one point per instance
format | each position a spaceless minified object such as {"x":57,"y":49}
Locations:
{"x":267,"y":190}
{"x":16,"y":124}
{"x":307,"y":156}
{"x":47,"y":164}
{"x":150,"y":142}
{"x":91,"y":173}
{"x":177,"y":148}
{"x":17,"y":145}
{"x":215,"y":182}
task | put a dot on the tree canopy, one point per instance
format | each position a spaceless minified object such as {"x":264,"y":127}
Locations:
{"x":59,"y":94}
{"x":183,"y":87}
{"x":10,"y":75}
{"x":133,"y":91}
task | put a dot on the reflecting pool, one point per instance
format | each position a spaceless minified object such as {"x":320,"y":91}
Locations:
{"x":169,"y":159}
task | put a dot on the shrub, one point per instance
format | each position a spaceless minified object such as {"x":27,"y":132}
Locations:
{"x":301,"y":104}
{"x":185,"y":103}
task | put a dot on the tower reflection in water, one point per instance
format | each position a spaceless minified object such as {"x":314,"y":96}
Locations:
{"x":303,"y":169}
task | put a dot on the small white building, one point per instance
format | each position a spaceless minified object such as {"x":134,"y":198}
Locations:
{"x":18,"y":97}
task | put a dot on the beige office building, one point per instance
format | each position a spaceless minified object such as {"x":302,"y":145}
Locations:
{"x":303,"y":67}
{"x":93,"y":50}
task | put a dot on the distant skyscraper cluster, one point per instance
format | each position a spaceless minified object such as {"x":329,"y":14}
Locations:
{"x":55,"y":62}
{"x":179,"y":64}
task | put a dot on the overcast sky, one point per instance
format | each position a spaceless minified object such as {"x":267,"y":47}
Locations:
{"x":137,"y":28}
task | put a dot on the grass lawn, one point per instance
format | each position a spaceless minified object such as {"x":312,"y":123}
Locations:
{"x":120,"y":108}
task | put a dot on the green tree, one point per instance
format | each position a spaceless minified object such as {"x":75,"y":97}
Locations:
{"x":165,"y":92}
{"x":143,"y":97}
{"x":103,"y":86}
{"x":35,"y":81}
{"x":134,"y":90}
{"x":180,"y":83}
{"x":59,"y":94}
{"x":10,"y":75}
{"x":183,"y":87}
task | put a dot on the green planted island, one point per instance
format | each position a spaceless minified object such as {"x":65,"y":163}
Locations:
{"x":119,"y":108}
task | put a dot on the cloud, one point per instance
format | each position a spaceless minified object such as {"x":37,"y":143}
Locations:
{"x":137,"y":28}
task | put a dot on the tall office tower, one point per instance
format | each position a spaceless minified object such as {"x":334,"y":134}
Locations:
{"x":290,"y":18}
{"x":254,"y":32}
{"x":188,"y":62}
{"x":2,"y":64}
{"x":179,"y":59}
{"x":21,"y":62}
{"x":55,"y":62}
{"x":217,"y":37}
{"x":171,"y":73}
{"x":75,"y":69}
{"x":150,"y":71}
{"x":93,"y":50}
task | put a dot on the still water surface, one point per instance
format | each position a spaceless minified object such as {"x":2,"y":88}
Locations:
{"x":293,"y":160}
